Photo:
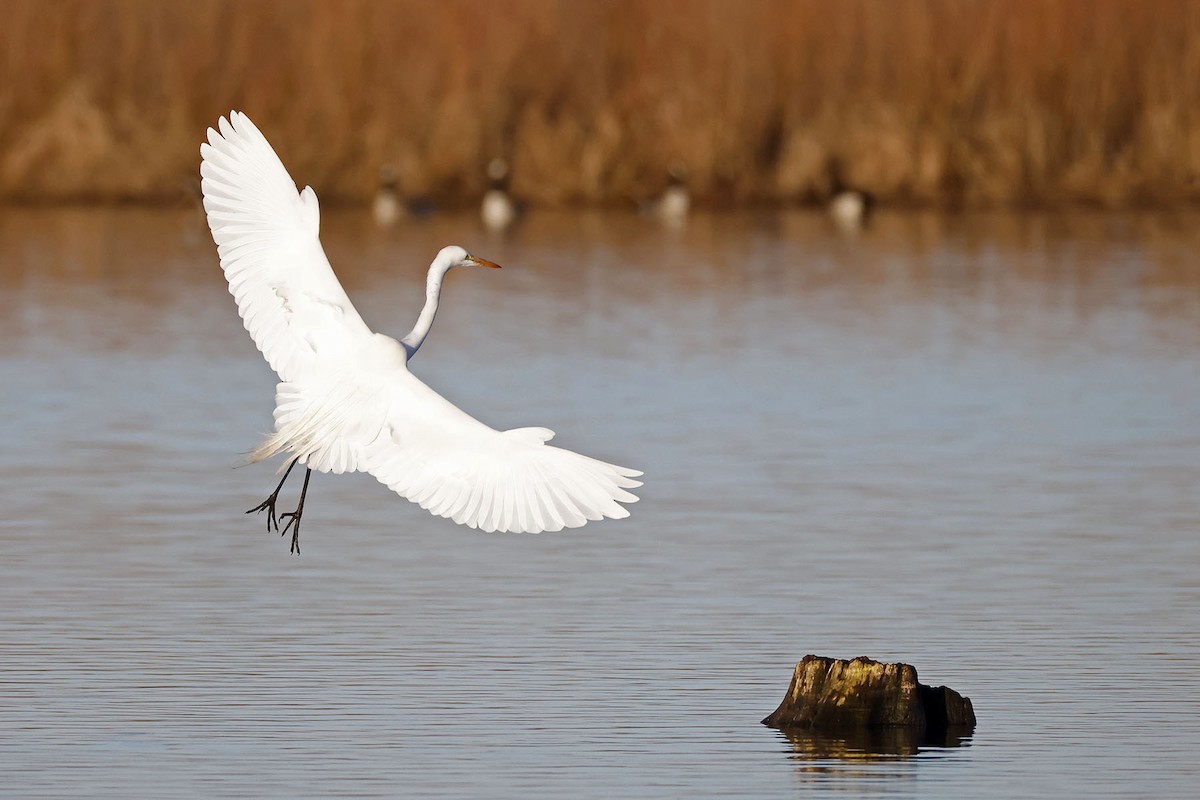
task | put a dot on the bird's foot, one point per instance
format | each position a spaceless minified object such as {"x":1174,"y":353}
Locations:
{"x":293,"y":523}
{"x":291,"y":519}
{"x":268,"y":505}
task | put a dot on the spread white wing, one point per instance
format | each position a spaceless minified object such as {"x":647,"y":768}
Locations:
{"x":454,"y":466}
{"x":385,"y":421}
{"x":267,"y":237}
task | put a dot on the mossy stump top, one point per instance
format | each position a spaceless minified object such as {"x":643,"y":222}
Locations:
{"x":837,"y":695}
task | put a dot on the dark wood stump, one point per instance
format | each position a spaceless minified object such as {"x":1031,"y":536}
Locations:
{"x":836,"y":696}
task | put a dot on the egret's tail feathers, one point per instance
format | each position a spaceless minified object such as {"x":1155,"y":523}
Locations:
{"x":273,"y":445}
{"x":324,"y":430}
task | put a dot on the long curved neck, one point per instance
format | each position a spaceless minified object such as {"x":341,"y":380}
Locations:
{"x":433,"y":292}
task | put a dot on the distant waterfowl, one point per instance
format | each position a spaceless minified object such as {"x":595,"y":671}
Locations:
{"x":849,"y":209}
{"x":388,"y":207}
{"x":498,"y":210}
{"x":672,"y":207}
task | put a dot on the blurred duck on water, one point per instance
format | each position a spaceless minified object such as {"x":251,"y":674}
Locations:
{"x":498,"y":211}
{"x":673,"y":205}
{"x":849,"y":209}
{"x":848,"y":206}
{"x":387,"y":207}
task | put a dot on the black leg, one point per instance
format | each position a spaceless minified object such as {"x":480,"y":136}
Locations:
{"x":294,"y":521}
{"x":269,"y":504}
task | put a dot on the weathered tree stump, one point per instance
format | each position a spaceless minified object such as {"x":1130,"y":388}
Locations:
{"x":836,"y":696}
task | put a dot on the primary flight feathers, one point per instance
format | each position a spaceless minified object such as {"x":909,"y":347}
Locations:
{"x":347,"y":401}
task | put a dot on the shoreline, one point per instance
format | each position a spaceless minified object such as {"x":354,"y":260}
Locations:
{"x":928,"y":103}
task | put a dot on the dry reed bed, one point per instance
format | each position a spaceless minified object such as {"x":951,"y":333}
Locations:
{"x":926,"y":102}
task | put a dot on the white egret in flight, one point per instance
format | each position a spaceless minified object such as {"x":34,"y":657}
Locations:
{"x":346,"y":400}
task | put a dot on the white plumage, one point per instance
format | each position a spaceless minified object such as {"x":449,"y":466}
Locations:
{"x":347,"y":401}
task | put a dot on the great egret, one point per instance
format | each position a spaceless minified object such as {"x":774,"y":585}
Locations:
{"x":347,"y":401}
{"x":497,"y":210}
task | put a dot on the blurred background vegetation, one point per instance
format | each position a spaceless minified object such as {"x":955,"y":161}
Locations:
{"x":945,"y":103}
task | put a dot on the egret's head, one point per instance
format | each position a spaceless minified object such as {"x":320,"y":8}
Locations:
{"x":455,"y":256}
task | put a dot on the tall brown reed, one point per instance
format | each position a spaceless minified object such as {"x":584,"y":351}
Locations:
{"x":931,"y":102}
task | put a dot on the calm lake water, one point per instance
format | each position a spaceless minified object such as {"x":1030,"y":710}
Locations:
{"x":968,"y":443}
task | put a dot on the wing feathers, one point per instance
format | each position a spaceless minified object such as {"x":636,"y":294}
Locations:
{"x":266,"y":236}
{"x":494,"y":481}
